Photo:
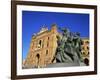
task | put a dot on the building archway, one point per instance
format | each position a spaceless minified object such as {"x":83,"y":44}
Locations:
{"x":86,"y":61}
{"x":37,"y":59}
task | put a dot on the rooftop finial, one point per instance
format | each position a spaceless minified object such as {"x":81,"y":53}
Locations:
{"x":43,"y":29}
{"x":54,"y":24}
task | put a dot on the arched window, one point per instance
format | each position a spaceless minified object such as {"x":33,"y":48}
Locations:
{"x":87,"y":48}
{"x":87,"y":42}
{"x":48,"y":38}
{"x":39,"y":43}
{"x":37,"y":57}
{"x":86,"y":61}
{"x":46,"y":52}
{"x":88,"y":53}
{"x":48,"y":44}
{"x":83,"y":53}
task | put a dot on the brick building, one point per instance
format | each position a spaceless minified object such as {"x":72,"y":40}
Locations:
{"x":42,"y":47}
{"x":85,"y":50}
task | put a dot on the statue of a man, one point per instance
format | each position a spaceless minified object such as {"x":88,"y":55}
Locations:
{"x":77,"y":44}
{"x":69,"y":47}
{"x":62,"y":54}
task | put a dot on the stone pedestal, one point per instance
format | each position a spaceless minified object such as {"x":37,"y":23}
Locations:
{"x":62,"y":65}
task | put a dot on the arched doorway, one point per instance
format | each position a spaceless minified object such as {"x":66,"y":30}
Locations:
{"x":86,"y":61}
{"x":37,"y":59}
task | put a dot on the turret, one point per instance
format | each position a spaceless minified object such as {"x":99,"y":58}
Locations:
{"x":54,"y":28}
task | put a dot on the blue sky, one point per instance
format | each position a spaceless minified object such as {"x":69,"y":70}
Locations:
{"x":32,"y":22}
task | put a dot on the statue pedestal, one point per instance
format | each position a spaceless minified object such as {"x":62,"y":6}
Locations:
{"x":62,"y":65}
{"x":54,"y":65}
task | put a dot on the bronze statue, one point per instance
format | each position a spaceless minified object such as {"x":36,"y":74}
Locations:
{"x":69,"y":47}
